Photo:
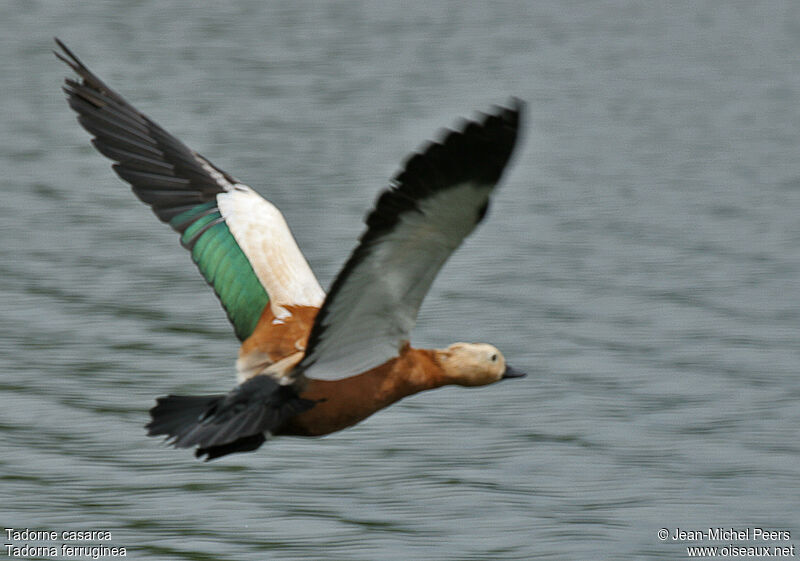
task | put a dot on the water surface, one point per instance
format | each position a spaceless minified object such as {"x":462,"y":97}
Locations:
{"x":641,"y":262}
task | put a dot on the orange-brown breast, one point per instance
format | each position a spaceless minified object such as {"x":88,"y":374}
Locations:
{"x":278,"y":338}
{"x":343,"y":403}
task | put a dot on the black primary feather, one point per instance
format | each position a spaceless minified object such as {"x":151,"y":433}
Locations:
{"x":163,"y":172}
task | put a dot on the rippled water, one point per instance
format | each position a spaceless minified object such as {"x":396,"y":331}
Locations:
{"x":641,"y":262}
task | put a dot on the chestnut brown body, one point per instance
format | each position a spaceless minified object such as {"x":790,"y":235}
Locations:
{"x":339,"y":403}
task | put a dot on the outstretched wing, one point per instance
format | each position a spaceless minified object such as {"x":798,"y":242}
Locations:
{"x":433,"y":204}
{"x":239,"y":241}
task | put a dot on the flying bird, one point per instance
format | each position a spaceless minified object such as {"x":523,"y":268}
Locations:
{"x":310,"y":363}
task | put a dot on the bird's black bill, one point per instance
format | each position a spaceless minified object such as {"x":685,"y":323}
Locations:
{"x":512,"y":372}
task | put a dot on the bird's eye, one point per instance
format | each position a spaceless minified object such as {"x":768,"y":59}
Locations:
{"x":493,"y":358}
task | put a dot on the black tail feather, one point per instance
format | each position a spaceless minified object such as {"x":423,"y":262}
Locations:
{"x":246,"y":444}
{"x":173,"y":413}
{"x":222,"y":424}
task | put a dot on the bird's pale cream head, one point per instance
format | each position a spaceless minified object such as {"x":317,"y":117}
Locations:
{"x":475,"y":364}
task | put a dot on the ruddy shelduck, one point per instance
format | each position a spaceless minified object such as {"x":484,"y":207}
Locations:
{"x":310,"y":364}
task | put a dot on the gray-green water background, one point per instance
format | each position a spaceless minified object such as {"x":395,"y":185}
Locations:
{"x":641,"y":262}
